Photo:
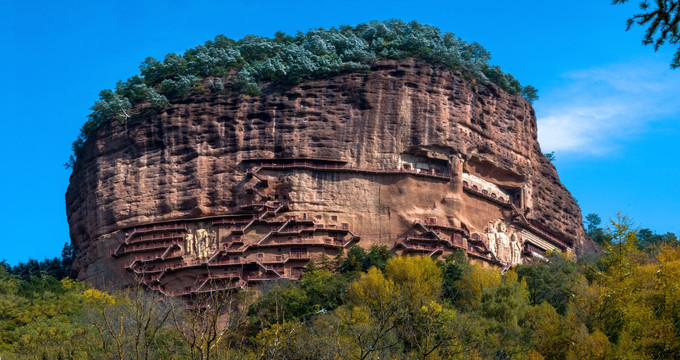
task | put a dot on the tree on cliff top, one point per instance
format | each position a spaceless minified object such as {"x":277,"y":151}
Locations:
{"x":250,"y":64}
{"x":661,"y":18}
{"x":530,"y":93}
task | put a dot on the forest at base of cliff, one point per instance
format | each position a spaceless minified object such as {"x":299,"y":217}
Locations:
{"x":622,"y":303}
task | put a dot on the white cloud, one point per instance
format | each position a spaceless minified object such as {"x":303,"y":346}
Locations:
{"x":597,"y":109}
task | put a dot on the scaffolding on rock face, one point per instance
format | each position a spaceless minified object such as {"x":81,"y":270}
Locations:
{"x":144,"y":248}
{"x":506,"y":267}
{"x":459,"y":241}
{"x":486,"y":195}
{"x":153,"y":228}
{"x":194,"y":291}
{"x":350,"y":169}
{"x":531,"y":225}
{"x":132,"y":243}
{"x":531,"y":248}
{"x":261,"y":213}
{"x":460,"y":238}
{"x":153,"y":269}
{"x":434,"y":227}
{"x":173,"y":252}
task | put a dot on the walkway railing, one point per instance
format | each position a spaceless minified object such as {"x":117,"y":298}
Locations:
{"x":344,"y":168}
{"x":529,"y":224}
{"x":139,"y":248}
{"x":154,"y":228}
{"x":488,"y":196}
{"x":160,"y":237}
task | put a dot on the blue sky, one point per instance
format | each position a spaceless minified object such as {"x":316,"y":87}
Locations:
{"x":609,"y":107}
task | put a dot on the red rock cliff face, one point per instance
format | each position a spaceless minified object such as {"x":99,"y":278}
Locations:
{"x":407,"y":156}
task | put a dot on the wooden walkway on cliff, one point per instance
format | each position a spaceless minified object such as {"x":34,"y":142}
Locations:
{"x":347,"y":169}
{"x":461,"y":239}
{"x":220,"y":267}
{"x":232,"y":264}
{"x":531,"y":225}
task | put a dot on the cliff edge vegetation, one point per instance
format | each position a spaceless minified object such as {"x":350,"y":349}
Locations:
{"x":254,"y":64}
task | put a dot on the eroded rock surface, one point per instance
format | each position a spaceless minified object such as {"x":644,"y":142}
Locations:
{"x":410,"y":155}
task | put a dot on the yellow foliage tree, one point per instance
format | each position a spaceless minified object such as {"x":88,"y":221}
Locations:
{"x":473,"y":283}
{"x":404,"y":302}
{"x":550,"y":337}
{"x":372,"y":312}
{"x":417,"y":279}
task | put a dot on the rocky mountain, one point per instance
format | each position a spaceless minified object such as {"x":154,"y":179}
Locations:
{"x":224,"y":190}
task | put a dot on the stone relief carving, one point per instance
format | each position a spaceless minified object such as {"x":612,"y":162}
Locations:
{"x":491,"y":238}
{"x":200,"y":244}
{"x":485,"y":185}
{"x":189,"y":243}
{"x":201,"y":238}
{"x":503,"y":242}
{"x":516,"y":248}
{"x":502,"y":236}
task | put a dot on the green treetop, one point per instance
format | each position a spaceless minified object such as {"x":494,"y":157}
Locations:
{"x":253,"y":61}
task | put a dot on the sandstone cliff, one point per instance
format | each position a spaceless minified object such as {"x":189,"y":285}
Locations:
{"x":374,"y":153}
